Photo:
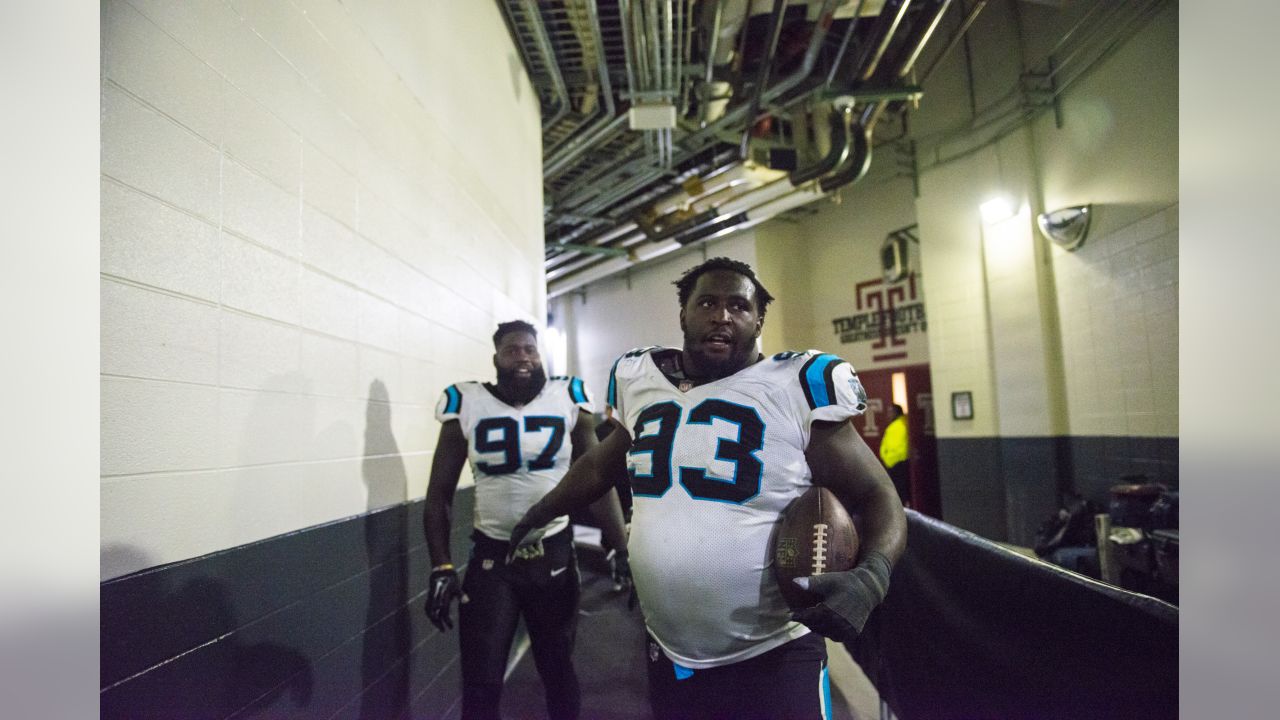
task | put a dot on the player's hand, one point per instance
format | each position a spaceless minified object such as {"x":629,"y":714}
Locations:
{"x":443,"y":588}
{"x":518,"y":535}
{"x":620,"y":569}
{"x":620,"y":572}
{"x":847,"y":598}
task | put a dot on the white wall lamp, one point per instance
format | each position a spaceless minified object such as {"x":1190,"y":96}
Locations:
{"x":996,"y":210}
{"x":1067,"y":227}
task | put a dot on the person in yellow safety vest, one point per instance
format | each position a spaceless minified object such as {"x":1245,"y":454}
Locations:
{"x":894,"y":454}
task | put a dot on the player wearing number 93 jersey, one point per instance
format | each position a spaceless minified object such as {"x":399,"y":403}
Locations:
{"x":711,"y":469}
{"x":716,"y":440}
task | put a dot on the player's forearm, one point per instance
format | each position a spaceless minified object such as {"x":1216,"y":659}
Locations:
{"x":579,"y":487}
{"x":884,"y":525}
{"x":608,"y":513}
{"x":437,"y":521}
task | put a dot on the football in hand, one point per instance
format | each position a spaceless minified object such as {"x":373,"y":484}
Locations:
{"x":815,"y":534}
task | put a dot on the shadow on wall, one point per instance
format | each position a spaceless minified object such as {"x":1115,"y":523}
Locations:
{"x":154,"y":667}
{"x":384,"y":660}
{"x":383,"y":468}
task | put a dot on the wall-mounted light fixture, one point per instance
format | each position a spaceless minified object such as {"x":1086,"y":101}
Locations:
{"x":995,"y":210}
{"x":1067,"y":227}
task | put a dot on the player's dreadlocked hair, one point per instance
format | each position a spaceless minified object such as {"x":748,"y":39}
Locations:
{"x":513,"y":326}
{"x":690,"y":278}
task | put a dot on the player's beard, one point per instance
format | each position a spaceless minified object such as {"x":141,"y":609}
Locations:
{"x":521,"y":390}
{"x":707,"y":367}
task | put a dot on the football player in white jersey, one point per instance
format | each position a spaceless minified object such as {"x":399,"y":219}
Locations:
{"x":717,"y":440}
{"x":513,"y":433}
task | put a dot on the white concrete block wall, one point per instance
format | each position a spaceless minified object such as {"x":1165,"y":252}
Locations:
{"x":1118,"y":296}
{"x":955,"y":288}
{"x":313,"y":215}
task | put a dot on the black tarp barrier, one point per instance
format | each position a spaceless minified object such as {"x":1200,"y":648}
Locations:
{"x":973,"y":630}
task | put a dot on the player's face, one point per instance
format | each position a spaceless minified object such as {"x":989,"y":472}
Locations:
{"x":517,"y":356}
{"x":720,"y":323}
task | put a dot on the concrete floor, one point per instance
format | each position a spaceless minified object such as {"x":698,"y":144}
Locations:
{"x":610,"y":643}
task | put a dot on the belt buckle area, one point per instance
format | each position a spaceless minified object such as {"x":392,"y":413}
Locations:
{"x":531,"y":551}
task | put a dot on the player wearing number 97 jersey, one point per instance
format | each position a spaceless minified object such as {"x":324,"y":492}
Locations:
{"x":711,"y":469}
{"x":517,"y":454}
{"x":520,"y":435}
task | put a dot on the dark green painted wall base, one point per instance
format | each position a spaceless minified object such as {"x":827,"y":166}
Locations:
{"x":1004,"y":488}
{"x":323,"y":622}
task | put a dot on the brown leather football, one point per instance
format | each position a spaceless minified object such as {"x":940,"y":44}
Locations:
{"x":815,"y":534}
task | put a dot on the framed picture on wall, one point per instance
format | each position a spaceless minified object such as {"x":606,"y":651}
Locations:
{"x":962,"y":405}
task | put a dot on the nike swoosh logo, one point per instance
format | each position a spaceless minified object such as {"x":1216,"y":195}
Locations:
{"x":557,"y":572}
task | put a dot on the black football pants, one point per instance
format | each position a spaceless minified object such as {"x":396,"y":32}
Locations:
{"x":544,"y":591}
{"x":788,"y":682}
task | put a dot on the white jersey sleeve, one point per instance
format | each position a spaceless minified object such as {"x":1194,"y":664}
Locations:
{"x":578,"y":392}
{"x":828,"y":387}
{"x":449,"y":406}
{"x":630,"y":366}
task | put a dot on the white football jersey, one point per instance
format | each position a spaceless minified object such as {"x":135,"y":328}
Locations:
{"x":517,"y":454}
{"x":711,"y":470}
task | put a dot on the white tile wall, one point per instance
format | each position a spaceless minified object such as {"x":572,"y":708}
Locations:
{"x":298,"y":207}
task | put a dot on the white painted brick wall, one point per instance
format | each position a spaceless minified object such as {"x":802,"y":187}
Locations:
{"x":304,"y":239}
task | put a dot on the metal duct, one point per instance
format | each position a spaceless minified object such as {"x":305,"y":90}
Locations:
{"x":839,"y":151}
{"x":856,"y":166}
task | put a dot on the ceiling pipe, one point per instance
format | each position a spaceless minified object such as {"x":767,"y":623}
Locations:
{"x":852,"y":171}
{"x":727,"y":223}
{"x":839,"y":152}
{"x":955,"y":40}
{"x":914,"y":44}
{"x":714,"y":40}
{"x":570,"y":151}
{"x":755,"y":196}
{"x":739,"y":213}
{"x":530,"y":9}
{"x":762,"y":75}
{"x":816,"y":40}
{"x":881,"y":35}
{"x":856,"y":166}
{"x":691,"y":143}
{"x":844,"y":44}
{"x":920,"y":34}
{"x":647,"y":173}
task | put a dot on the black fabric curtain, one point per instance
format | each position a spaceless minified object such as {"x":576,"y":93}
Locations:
{"x":973,"y":630}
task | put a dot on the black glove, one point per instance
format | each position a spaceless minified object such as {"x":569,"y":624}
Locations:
{"x":442,"y":587}
{"x":620,"y":569}
{"x":518,"y":533}
{"x":847,"y":598}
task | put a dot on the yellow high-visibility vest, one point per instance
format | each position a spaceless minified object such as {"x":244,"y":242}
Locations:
{"x":893,"y":446}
